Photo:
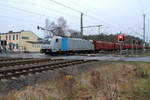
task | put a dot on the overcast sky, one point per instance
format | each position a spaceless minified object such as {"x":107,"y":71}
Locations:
{"x":114,"y":15}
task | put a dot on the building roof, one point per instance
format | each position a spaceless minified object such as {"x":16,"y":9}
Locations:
{"x":11,"y":32}
{"x":18,"y":32}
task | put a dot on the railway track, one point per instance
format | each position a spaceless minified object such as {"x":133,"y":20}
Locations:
{"x":9,"y":59}
{"x":18,"y":62}
{"x":33,"y":66}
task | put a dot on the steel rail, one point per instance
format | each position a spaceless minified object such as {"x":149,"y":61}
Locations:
{"x":17,"y":72}
{"x":23,"y":62}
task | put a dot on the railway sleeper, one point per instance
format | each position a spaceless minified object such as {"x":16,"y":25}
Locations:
{"x":22,"y":65}
{"x":30,"y":67}
{"x":27,"y":61}
{"x":9,"y":59}
{"x":8,"y":76}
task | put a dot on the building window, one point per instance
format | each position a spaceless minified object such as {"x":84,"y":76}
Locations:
{"x":13,"y":37}
{"x":56,"y":40}
{"x":6,"y":37}
{"x":9,"y":37}
{"x":13,"y":46}
{"x":16,"y":37}
{"x":16,"y":46}
{"x":24,"y":37}
{"x":33,"y":45}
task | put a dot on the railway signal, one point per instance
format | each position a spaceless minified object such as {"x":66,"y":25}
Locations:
{"x":139,"y":42}
{"x":38,"y":27}
{"x":41,"y":28}
{"x":136,"y":42}
{"x":120,"y":37}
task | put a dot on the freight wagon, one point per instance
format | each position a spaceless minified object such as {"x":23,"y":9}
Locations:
{"x":105,"y":46}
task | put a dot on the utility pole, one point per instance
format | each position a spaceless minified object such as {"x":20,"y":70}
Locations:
{"x":144,"y":32}
{"x":132,"y":52}
{"x":99,"y":27}
{"x":81,"y":24}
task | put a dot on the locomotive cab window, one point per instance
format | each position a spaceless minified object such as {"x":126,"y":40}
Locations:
{"x":56,"y":40}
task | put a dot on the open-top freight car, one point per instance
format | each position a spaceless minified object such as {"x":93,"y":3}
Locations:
{"x":105,"y":46}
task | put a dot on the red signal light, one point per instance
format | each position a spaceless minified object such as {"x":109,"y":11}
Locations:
{"x":121,"y":37}
{"x":138,"y":42}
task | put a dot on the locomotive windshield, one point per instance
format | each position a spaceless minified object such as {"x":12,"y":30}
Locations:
{"x":47,"y":41}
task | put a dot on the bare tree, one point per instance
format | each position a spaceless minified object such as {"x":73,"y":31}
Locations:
{"x":62,"y":27}
{"x":62,"y":23}
{"x":59,"y":29}
{"x":74,"y":33}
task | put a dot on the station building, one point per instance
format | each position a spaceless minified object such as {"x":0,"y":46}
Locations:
{"x":22,"y":41}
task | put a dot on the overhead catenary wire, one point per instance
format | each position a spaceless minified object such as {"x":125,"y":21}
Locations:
{"x":45,"y":7}
{"x":23,"y":10}
{"x":21,"y":19}
{"x":68,"y":7}
{"x":29,"y":12}
{"x":56,"y":11}
{"x":78,"y":11}
{"x":79,"y":5}
{"x":43,"y":15}
{"x":87,"y":10}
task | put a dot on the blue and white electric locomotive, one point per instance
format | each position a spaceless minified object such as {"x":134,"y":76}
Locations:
{"x":65,"y":45}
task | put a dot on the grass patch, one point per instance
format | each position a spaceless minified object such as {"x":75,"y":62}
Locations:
{"x":141,"y":89}
{"x":114,"y":80}
{"x":140,"y":86}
